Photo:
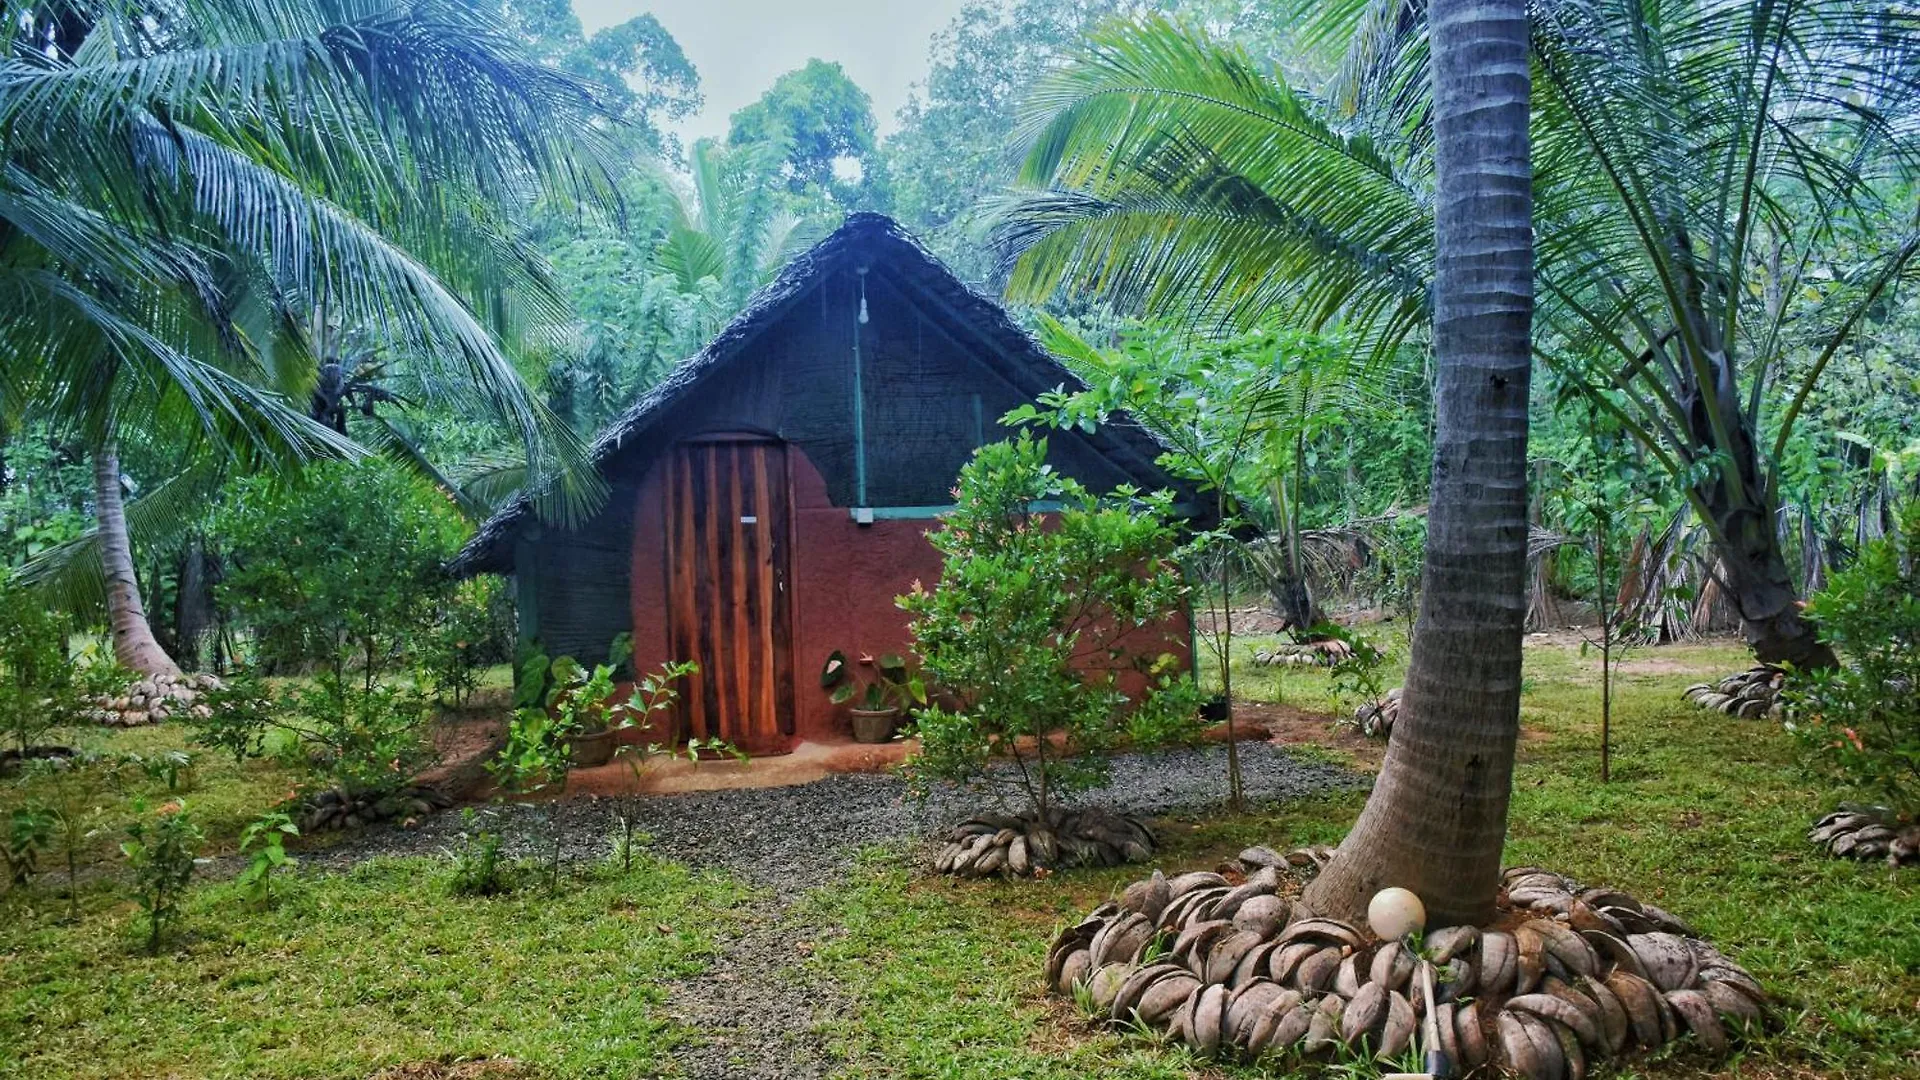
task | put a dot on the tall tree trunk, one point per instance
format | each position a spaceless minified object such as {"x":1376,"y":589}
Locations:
{"x":193,"y":605}
{"x":1744,"y":508}
{"x":133,"y":642}
{"x":1754,"y":573}
{"x":1437,"y":818}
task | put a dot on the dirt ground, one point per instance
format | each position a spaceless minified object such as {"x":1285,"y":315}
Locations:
{"x":1291,"y":726}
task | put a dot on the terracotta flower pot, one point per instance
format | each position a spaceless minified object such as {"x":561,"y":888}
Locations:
{"x":594,"y":749}
{"x":874,"y":725}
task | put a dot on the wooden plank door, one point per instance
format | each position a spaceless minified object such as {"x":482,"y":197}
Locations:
{"x":727,"y":539}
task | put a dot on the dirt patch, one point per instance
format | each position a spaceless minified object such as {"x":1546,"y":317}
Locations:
{"x":1569,"y":637}
{"x":759,"y":1007}
{"x":1287,"y":725}
{"x":1665,"y":666}
{"x":1245,"y":621}
{"x":463,"y":743}
{"x":809,"y":761}
{"x":1254,"y":620}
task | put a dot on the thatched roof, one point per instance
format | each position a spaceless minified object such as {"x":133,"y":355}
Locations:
{"x":865,"y":239}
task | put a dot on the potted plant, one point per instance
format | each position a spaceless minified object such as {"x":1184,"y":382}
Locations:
{"x":583,"y":709}
{"x":579,"y":700}
{"x":878,"y":690}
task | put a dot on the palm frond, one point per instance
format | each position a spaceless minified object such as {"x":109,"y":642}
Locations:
{"x":69,"y":575}
{"x":1178,"y":177}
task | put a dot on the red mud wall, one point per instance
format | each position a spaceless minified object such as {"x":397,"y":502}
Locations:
{"x":843,"y":578}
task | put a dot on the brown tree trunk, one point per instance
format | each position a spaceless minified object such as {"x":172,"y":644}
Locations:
{"x":1754,"y":573}
{"x":133,"y":642}
{"x":1437,"y":818}
{"x":1742,"y":508}
{"x":1292,"y":600}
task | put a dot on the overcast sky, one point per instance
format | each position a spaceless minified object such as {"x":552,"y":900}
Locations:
{"x":740,"y":46}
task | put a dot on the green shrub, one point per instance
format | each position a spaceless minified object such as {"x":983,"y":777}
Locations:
{"x":1360,"y":676}
{"x":473,"y":631}
{"x":476,"y":858}
{"x":29,"y":831}
{"x":160,"y":850}
{"x":1026,"y":600}
{"x":1862,"y":719}
{"x":263,"y":843}
{"x":40,"y":688}
{"x":339,"y":569}
{"x":78,"y":791}
{"x":366,"y":741}
{"x":539,"y":746}
{"x":174,"y":768}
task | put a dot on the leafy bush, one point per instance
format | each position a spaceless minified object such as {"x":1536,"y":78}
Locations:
{"x":1862,"y":719}
{"x":174,"y":768}
{"x":539,"y":746}
{"x":40,"y":688}
{"x":579,"y":701}
{"x":1391,"y":573}
{"x":1359,"y":677}
{"x":160,"y":850}
{"x":1028,"y":602}
{"x":263,"y":843}
{"x":476,"y":858}
{"x":29,"y":831}
{"x":365,"y":740}
{"x":340,"y":569}
{"x":474,"y":630}
{"x":894,"y":682}
{"x":46,"y":494}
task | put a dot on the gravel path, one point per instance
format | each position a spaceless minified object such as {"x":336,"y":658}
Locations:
{"x":792,"y":839}
{"x":759,"y":1006}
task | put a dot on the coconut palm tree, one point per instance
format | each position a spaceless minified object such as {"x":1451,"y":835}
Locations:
{"x":1437,"y":819}
{"x":190,"y":187}
{"x":1716,"y":192}
{"x":731,"y":229}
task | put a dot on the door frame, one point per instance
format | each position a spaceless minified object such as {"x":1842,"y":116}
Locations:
{"x":781,"y":625}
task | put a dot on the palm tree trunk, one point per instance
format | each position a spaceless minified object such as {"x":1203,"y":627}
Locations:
{"x":133,"y":642}
{"x":1437,"y":818}
{"x":1744,"y":507}
{"x":1755,"y":576}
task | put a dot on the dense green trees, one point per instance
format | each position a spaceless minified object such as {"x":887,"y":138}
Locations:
{"x":637,"y":68}
{"x":823,"y":123}
{"x":213,"y":262}
{"x":187,"y":199}
{"x":954,"y":153}
{"x":1717,"y":204}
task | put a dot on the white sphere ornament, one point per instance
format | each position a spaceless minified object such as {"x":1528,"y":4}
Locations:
{"x":1394,"y":913}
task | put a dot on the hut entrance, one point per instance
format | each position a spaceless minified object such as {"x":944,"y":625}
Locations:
{"x":727,"y":540}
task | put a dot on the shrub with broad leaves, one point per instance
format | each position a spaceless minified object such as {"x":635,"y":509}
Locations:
{"x":1046,"y":631}
{"x":1862,"y":719}
{"x":160,"y":850}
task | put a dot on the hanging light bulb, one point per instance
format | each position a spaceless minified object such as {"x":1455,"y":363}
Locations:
{"x":863,"y":296}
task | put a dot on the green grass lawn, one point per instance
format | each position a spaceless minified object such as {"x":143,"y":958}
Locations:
{"x":1704,"y":816}
{"x":380,"y":967}
{"x":222,"y":795}
{"x":351,"y":973}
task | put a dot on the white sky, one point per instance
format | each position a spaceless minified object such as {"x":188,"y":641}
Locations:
{"x":740,"y":46}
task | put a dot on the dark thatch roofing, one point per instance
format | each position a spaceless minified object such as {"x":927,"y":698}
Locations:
{"x":871,"y":239}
